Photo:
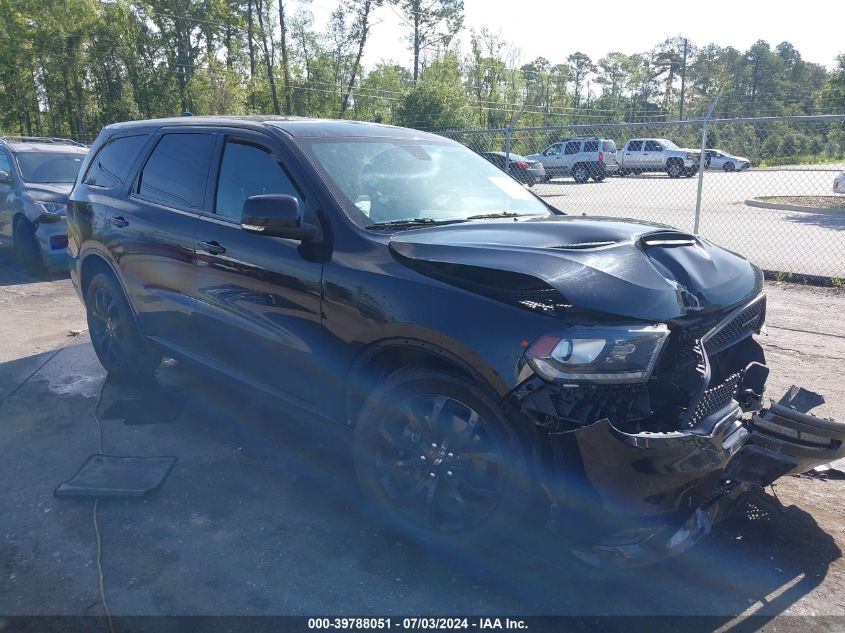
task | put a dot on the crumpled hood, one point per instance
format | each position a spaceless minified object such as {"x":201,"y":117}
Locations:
{"x":49,"y":192}
{"x":622,"y":267}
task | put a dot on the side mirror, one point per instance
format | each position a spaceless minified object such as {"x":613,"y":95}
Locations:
{"x":5,"y":178}
{"x":276,"y":215}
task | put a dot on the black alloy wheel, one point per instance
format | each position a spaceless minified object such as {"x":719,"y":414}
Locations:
{"x":114,"y":334}
{"x":439,"y":459}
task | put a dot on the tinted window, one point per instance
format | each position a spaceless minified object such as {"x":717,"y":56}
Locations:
{"x":49,"y":167}
{"x":175,"y":173}
{"x":111,"y":165}
{"x":609,"y":146}
{"x":652,"y":146}
{"x":572,"y":148}
{"x":248,"y":170}
{"x":635,"y":146}
{"x":591,"y":146}
{"x":5,"y":165}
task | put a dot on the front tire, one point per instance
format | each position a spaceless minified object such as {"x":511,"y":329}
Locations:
{"x":117,"y":342}
{"x":729,"y":167}
{"x":26,"y":247}
{"x":439,"y":460}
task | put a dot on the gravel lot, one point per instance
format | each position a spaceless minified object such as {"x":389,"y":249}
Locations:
{"x":788,"y":241}
{"x":260,"y":516}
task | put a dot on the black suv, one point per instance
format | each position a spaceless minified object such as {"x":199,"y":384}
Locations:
{"x":477,"y":345}
{"x":36,"y":175}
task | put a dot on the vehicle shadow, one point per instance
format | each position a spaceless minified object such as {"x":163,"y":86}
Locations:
{"x":763,"y":558}
{"x":12,"y":274}
{"x":262,"y":516}
{"x":829,"y":220}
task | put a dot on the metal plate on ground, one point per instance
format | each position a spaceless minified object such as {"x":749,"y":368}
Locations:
{"x":113,"y":476}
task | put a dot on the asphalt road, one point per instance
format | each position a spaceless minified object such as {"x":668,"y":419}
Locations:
{"x":261,"y":516}
{"x":787,"y":241}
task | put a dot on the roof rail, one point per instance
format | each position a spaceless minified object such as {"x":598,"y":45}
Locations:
{"x":42,"y":139}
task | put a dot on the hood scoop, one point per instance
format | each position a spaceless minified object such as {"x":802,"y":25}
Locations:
{"x":668,"y":239}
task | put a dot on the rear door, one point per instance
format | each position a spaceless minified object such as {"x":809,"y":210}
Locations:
{"x":652,"y":155}
{"x":258,"y":297}
{"x":151,"y":232}
{"x":570,"y":155}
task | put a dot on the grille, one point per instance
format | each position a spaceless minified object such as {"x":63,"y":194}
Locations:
{"x":736,"y":327}
{"x":586,"y":404}
{"x":715,"y":398}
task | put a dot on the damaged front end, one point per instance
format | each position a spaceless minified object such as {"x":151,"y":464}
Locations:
{"x":640,"y":469}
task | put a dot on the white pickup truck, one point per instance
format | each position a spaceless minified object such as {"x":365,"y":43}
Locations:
{"x":657,"y":154}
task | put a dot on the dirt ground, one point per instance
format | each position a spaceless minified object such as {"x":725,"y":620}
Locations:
{"x":260,"y":516}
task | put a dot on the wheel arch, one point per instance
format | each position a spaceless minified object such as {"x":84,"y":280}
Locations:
{"x":381,"y":358}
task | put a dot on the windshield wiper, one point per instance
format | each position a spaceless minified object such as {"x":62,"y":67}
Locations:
{"x":500,"y":214}
{"x":409,"y":223}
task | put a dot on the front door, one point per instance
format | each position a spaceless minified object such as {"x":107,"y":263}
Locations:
{"x":552,"y":159}
{"x":652,"y":155}
{"x":258,"y":297}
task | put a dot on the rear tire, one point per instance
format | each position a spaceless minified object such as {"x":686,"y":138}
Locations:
{"x":438,"y":459}
{"x":674,"y":168}
{"x":26,"y":247}
{"x":119,"y":346}
{"x":580,"y":174}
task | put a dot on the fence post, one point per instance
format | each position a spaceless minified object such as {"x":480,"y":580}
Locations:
{"x":508,"y":131}
{"x":702,"y":163}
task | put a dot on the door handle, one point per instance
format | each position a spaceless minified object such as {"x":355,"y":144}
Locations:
{"x":212,"y":247}
{"x":120,"y":222}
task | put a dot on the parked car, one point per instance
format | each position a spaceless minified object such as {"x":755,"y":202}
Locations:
{"x":839,"y":183}
{"x":641,"y":155}
{"x":476,"y":347}
{"x":581,"y":158}
{"x":528,"y":172}
{"x":36,"y":175}
{"x":717,"y":159}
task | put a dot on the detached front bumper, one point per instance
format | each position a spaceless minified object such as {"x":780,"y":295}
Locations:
{"x":626,"y":499}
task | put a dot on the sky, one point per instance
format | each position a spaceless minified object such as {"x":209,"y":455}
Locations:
{"x":554,"y":29}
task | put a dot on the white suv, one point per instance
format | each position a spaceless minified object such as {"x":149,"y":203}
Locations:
{"x":582,"y":158}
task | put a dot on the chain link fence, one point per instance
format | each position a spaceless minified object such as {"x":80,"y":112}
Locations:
{"x":762,"y":187}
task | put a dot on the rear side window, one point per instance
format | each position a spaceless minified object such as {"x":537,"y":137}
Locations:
{"x":5,"y":165}
{"x":609,"y":146}
{"x":111,"y":165}
{"x":635,"y":146}
{"x":591,"y":146}
{"x":572,"y":148}
{"x":653,"y":146}
{"x":175,"y":173}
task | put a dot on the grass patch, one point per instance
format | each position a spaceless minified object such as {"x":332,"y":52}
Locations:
{"x":810,"y":202}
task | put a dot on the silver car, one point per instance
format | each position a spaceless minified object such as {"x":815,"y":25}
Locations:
{"x":717,"y":159}
{"x":839,"y":183}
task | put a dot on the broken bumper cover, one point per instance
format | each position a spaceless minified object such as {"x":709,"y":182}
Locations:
{"x":626,"y":499}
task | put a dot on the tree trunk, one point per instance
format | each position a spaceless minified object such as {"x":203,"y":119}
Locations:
{"x":416,"y":44}
{"x":285,"y":63}
{"x":268,"y":59}
{"x":365,"y":29}
{"x":251,"y":42}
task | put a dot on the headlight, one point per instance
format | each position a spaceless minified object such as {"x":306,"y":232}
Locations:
{"x":612,"y":354}
{"x":52,"y":208}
